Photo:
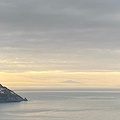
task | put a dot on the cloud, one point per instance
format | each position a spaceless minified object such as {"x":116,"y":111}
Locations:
{"x":59,"y":35}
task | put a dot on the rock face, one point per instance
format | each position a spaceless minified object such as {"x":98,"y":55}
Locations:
{"x":7,"y":95}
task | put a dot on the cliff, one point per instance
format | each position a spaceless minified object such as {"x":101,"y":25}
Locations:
{"x":7,"y":95}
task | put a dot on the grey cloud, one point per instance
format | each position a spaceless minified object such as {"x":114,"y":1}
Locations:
{"x":65,"y":34}
{"x":57,"y":13}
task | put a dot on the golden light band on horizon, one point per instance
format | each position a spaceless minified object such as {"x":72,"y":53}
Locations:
{"x":56,"y":79}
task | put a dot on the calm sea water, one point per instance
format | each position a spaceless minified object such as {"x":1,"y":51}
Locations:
{"x":80,"y":105}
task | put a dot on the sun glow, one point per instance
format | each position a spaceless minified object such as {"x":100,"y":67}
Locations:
{"x":55,"y":79}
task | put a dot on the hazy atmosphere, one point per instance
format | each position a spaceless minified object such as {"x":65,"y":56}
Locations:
{"x":60,"y":43}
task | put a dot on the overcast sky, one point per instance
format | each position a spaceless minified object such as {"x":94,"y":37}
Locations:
{"x":59,"y":35}
{"x":73,"y":35}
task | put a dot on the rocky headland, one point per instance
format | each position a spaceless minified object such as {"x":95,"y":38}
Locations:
{"x":7,"y":95}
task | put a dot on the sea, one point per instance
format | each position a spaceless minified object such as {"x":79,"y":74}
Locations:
{"x":64,"y":105}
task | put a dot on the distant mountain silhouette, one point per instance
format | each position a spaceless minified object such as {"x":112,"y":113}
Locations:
{"x":69,"y":81}
{"x":7,"y":95}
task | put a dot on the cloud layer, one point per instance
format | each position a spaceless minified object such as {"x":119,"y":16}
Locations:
{"x":67,"y":35}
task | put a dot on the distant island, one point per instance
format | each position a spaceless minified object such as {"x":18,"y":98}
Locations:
{"x":7,"y":95}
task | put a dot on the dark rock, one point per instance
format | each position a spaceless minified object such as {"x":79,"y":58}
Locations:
{"x":7,"y":95}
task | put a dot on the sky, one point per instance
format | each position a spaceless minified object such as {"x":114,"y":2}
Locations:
{"x":46,"y":43}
